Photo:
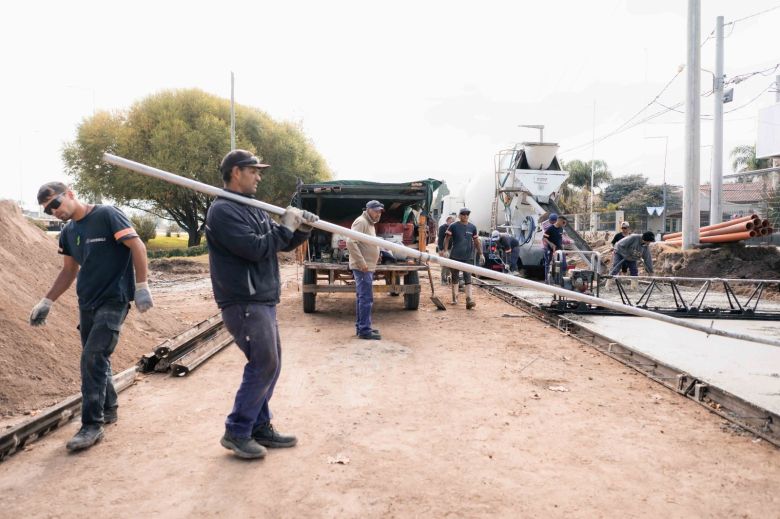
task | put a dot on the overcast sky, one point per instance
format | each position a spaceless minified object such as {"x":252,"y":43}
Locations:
{"x":386,"y":91}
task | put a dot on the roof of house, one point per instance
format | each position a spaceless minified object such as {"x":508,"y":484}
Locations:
{"x":740,"y":192}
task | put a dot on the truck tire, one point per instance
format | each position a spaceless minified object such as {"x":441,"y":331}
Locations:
{"x":309,"y":298}
{"x":412,"y":301}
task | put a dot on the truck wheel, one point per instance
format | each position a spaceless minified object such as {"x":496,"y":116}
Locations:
{"x":412,"y":301}
{"x":309,"y":298}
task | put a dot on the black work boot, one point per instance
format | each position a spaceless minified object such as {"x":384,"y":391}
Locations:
{"x":246,"y":448}
{"x":87,"y":436}
{"x":373,"y":331}
{"x":268,"y":436}
{"x":110,"y":415}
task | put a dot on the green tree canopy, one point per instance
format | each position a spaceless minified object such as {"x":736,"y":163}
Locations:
{"x":186,"y":132}
{"x":579,"y":173}
{"x":621,"y":187}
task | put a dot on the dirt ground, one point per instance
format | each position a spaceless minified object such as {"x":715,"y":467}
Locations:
{"x":484,"y":413}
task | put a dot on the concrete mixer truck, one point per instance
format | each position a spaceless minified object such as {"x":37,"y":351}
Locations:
{"x":516,"y":198}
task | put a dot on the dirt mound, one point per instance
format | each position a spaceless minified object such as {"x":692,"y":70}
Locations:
{"x":38,"y":366}
{"x":178,"y":266}
{"x":730,"y":260}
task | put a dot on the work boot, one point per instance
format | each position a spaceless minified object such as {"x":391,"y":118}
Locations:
{"x":245,"y":448}
{"x":87,"y":436}
{"x":268,"y":436}
{"x":470,"y":303}
{"x":373,"y":336}
{"x":373,"y":331}
{"x":110,"y":415}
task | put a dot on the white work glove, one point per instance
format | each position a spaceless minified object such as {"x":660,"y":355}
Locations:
{"x":292,"y":218}
{"x":40,"y":312}
{"x":308,"y":218}
{"x":143,"y":297}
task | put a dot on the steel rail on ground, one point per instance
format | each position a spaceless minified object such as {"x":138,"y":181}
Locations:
{"x":425,"y":256}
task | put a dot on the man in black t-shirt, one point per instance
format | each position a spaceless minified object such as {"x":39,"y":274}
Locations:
{"x":552,"y":240}
{"x":625,"y":230}
{"x":99,"y":247}
{"x":465,"y":248}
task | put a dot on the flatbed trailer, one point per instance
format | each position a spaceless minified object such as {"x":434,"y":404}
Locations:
{"x":336,"y":278}
{"x":408,"y":218}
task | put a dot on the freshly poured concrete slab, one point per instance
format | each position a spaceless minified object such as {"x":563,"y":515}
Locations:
{"x":748,"y":370}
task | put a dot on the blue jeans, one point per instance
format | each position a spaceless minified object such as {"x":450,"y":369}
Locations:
{"x":255,"y":331}
{"x":618,"y":261}
{"x":99,"y":329}
{"x":513,"y":257}
{"x":364,"y":301}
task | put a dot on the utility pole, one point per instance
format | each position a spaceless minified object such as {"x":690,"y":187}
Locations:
{"x":716,"y":182}
{"x":690,"y":209}
{"x":592,"y":164}
{"x":232,"y":114}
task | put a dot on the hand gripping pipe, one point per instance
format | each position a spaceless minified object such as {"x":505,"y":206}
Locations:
{"x":425,"y":257}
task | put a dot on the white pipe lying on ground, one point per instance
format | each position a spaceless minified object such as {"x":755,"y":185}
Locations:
{"x":424,"y":256}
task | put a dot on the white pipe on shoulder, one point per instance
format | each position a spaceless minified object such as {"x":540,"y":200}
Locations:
{"x":424,"y":256}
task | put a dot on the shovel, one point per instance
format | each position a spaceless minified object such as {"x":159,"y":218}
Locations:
{"x":435,"y":300}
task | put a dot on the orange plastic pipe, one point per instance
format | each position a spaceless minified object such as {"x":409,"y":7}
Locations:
{"x":672,"y":236}
{"x":722,"y":238}
{"x":738,"y":227}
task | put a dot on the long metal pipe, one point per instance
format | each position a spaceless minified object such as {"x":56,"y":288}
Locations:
{"x":425,"y":256}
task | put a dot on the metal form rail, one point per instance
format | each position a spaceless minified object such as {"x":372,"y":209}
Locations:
{"x":168,"y":352}
{"x":695,"y":307}
{"x":759,"y":421}
{"x":52,"y":418}
{"x":206,"y":348}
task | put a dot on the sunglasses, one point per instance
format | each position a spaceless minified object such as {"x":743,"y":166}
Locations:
{"x":55,"y":203}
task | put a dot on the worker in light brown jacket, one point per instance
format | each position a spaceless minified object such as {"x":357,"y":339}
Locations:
{"x":363,"y":258}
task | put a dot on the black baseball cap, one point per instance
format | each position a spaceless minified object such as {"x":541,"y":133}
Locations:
{"x":242,"y":159}
{"x":50,"y":189}
{"x":464,"y":210}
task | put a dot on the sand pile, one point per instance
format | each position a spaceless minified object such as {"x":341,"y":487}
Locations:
{"x":39,"y":366}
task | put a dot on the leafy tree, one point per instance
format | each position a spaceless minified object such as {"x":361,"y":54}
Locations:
{"x":621,"y":187}
{"x":186,"y":132}
{"x":579,"y":173}
{"x":145,"y":226}
{"x":743,"y":158}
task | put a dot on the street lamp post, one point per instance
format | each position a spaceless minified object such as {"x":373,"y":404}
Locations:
{"x":666,"y":153}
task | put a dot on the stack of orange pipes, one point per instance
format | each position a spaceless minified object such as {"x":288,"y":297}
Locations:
{"x":733,"y":230}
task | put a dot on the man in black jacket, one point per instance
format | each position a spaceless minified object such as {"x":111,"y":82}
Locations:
{"x":243,"y":243}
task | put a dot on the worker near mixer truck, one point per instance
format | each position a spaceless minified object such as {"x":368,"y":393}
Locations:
{"x":625,"y":230}
{"x":99,"y":247}
{"x":630,"y":250}
{"x":465,"y":248}
{"x":445,"y":272}
{"x":552,"y":241}
{"x":243,"y":246}
{"x":363,"y":258}
{"x":510,"y":246}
